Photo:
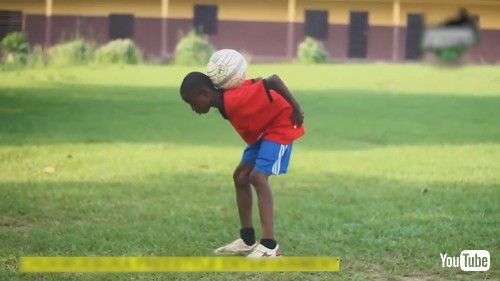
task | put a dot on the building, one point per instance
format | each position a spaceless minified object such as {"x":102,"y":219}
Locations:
{"x":269,"y":30}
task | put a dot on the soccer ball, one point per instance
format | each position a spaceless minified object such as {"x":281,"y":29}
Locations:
{"x":227,"y":68}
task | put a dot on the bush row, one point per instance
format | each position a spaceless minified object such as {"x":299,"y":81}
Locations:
{"x":17,"y":52}
{"x":192,"y":49}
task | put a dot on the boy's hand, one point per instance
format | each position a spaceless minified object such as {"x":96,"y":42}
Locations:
{"x":297,"y":117}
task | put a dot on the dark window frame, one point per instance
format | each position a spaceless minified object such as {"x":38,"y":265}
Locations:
{"x":117,"y":28}
{"x":205,"y":18}
{"x":10,"y":21}
{"x":316,"y":24}
{"x":414,"y":31}
{"x":359,"y":27}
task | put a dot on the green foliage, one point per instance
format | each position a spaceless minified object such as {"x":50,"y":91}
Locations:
{"x":193,"y":49}
{"x":121,"y":51}
{"x":37,"y":57}
{"x":16,"y":43}
{"x":451,"y":53}
{"x":16,"y":48}
{"x":76,"y":52}
{"x":312,"y":51}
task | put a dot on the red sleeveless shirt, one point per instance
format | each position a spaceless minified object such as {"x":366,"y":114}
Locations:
{"x":257,"y":112}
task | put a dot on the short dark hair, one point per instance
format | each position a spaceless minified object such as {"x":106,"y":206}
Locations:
{"x":193,"y":82}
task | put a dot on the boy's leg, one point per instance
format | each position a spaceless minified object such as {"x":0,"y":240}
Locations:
{"x":241,"y":175}
{"x":241,"y":178}
{"x":265,"y":198}
{"x":273,"y":158}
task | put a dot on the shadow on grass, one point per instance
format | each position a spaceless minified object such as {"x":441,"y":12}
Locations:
{"x":335,"y":119}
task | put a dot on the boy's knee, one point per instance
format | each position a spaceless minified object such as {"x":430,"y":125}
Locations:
{"x":257,"y":178}
{"x":240,"y":176}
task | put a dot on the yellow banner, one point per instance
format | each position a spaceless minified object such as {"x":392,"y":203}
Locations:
{"x":177,"y":264}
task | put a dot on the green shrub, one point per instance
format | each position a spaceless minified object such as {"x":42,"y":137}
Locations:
{"x":37,"y":57}
{"x":122,"y":51}
{"x":15,"y":48}
{"x":193,"y":49}
{"x":312,"y":51}
{"x":74,"y":52}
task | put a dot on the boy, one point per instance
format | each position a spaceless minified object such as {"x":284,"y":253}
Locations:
{"x":269,"y":119}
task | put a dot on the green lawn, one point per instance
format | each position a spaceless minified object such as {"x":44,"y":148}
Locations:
{"x":399,"y":164}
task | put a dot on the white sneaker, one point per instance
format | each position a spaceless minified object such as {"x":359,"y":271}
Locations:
{"x":238,"y":246}
{"x":262,"y":251}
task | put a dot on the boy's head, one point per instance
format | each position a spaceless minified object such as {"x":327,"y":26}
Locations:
{"x":198,"y":91}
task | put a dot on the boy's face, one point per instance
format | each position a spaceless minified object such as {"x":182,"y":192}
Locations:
{"x":199,"y":103}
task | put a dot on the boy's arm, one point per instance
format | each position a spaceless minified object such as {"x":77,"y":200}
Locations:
{"x":275,"y":83}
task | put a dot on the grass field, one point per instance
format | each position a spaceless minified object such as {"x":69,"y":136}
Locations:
{"x":400,"y":163}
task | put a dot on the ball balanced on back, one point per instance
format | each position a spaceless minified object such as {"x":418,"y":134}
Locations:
{"x":227,"y":68}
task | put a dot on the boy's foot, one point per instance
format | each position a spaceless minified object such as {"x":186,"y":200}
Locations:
{"x":238,"y":246}
{"x":262,"y":251}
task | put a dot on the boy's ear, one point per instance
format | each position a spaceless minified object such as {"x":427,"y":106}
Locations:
{"x":206,"y":92}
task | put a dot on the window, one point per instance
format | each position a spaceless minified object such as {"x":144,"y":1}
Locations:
{"x":316,"y":24}
{"x":121,"y":26}
{"x":358,"y":35}
{"x":205,"y":19}
{"x":10,"y":21}
{"x":414,"y":30}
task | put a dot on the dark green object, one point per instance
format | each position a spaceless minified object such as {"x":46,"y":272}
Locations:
{"x":451,"y":53}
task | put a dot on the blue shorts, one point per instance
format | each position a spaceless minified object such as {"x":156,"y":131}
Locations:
{"x":268,"y":157}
